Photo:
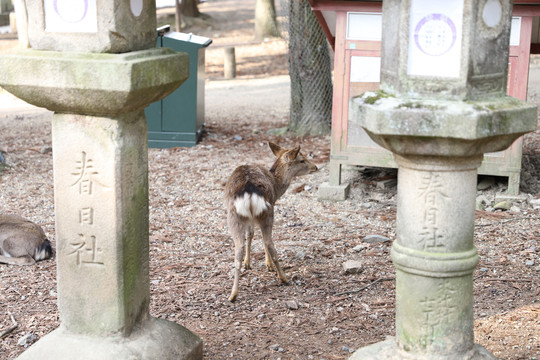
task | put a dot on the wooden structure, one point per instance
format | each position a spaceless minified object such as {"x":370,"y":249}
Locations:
{"x":353,"y":29}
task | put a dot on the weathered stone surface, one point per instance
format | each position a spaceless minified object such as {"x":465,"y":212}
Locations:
{"x":359,"y":248}
{"x":101,"y":202}
{"x":154,"y":339}
{"x":100,"y":171}
{"x":442,"y":105}
{"x":292,"y":304}
{"x":503,"y":205}
{"x":352,"y":267}
{"x":112,"y":26}
{"x":26,"y":339}
{"x":434,"y":251}
{"x":93,"y":84}
{"x":388,"y":350}
{"x":333,"y":192}
{"x":509,"y":197}
{"x":442,"y":127}
{"x":443,"y":192}
{"x":482,"y":202}
{"x":373,"y":239}
{"x":534,"y":202}
{"x":475,"y":74}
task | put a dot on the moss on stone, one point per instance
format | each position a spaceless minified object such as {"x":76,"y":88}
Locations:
{"x":505,"y":103}
{"x":419,"y":105}
{"x":372,"y":99}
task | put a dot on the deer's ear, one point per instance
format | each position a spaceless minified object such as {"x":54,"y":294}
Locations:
{"x":276,"y":149}
{"x":293,"y":153}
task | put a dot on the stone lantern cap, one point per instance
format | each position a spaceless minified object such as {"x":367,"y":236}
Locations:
{"x":454,"y":49}
{"x":111,"y":26}
{"x":442,"y":127}
{"x":93,"y":84}
{"x":443,"y":80}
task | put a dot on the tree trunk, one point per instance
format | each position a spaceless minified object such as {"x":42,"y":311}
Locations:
{"x":190,"y":8}
{"x":310,"y":72}
{"x":265,"y":19}
{"x":21,"y":21}
{"x":178,"y":17}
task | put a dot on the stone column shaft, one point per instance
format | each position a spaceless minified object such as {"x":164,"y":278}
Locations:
{"x":434,"y":251}
{"x":101,"y":199}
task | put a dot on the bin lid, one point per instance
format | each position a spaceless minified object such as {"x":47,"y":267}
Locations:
{"x":190,"y":38}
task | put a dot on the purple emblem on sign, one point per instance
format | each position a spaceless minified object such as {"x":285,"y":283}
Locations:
{"x":69,"y":19}
{"x":435,"y":34}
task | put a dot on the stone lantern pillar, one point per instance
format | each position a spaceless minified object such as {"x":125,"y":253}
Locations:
{"x":441,"y":106}
{"x":94,"y":63}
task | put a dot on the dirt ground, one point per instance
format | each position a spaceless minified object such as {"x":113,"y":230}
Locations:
{"x":323,"y":313}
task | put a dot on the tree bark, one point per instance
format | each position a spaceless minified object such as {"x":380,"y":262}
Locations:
{"x":21,"y":22}
{"x":265,"y":20}
{"x":178,"y":17}
{"x":310,"y":72}
{"x":190,"y":8}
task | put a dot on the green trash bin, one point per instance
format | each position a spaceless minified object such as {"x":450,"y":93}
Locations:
{"x":178,"y":120}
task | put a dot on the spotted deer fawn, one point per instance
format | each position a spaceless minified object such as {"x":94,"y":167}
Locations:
{"x":21,"y":241}
{"x":250,"y":195}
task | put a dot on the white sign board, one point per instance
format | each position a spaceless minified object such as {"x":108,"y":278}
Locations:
{"x":435,"y":38}
{"x":364,"y":26}
{"x":365,"y":69}
{"x":515,"y":32}
{"x":70,"y":16}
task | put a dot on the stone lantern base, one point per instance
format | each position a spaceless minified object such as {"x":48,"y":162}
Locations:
{"x":154,"y":339}
{"x":388,"y":350}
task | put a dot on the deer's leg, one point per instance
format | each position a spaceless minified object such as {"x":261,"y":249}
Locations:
{"x":270,"y":250}
{"x":21,"y":260}
{"x":249,"y":237}
{"x":238,"y":255}
{"x":268,"y":260}
{"x":238,"y":231}
{"x":19,"y":255}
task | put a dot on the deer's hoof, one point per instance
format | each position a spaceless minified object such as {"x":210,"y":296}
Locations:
{"x":247,"y":266}
{"x":233,"y":297}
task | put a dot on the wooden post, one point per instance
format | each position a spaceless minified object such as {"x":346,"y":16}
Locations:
{"x":229,"y":64}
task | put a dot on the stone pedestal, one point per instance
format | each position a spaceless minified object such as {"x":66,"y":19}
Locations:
{"x":438,"y":146}
{"x":100,"y":158}
{"x":150,"y":339}
{"x":389,"y":350}
{"x":334,"y":189}
{"x":442,"y":105}
{"x":333,"y":192}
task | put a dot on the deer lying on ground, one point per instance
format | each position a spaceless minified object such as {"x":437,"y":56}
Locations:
{"x":250,"y":195}
{"x":21,"y":241}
